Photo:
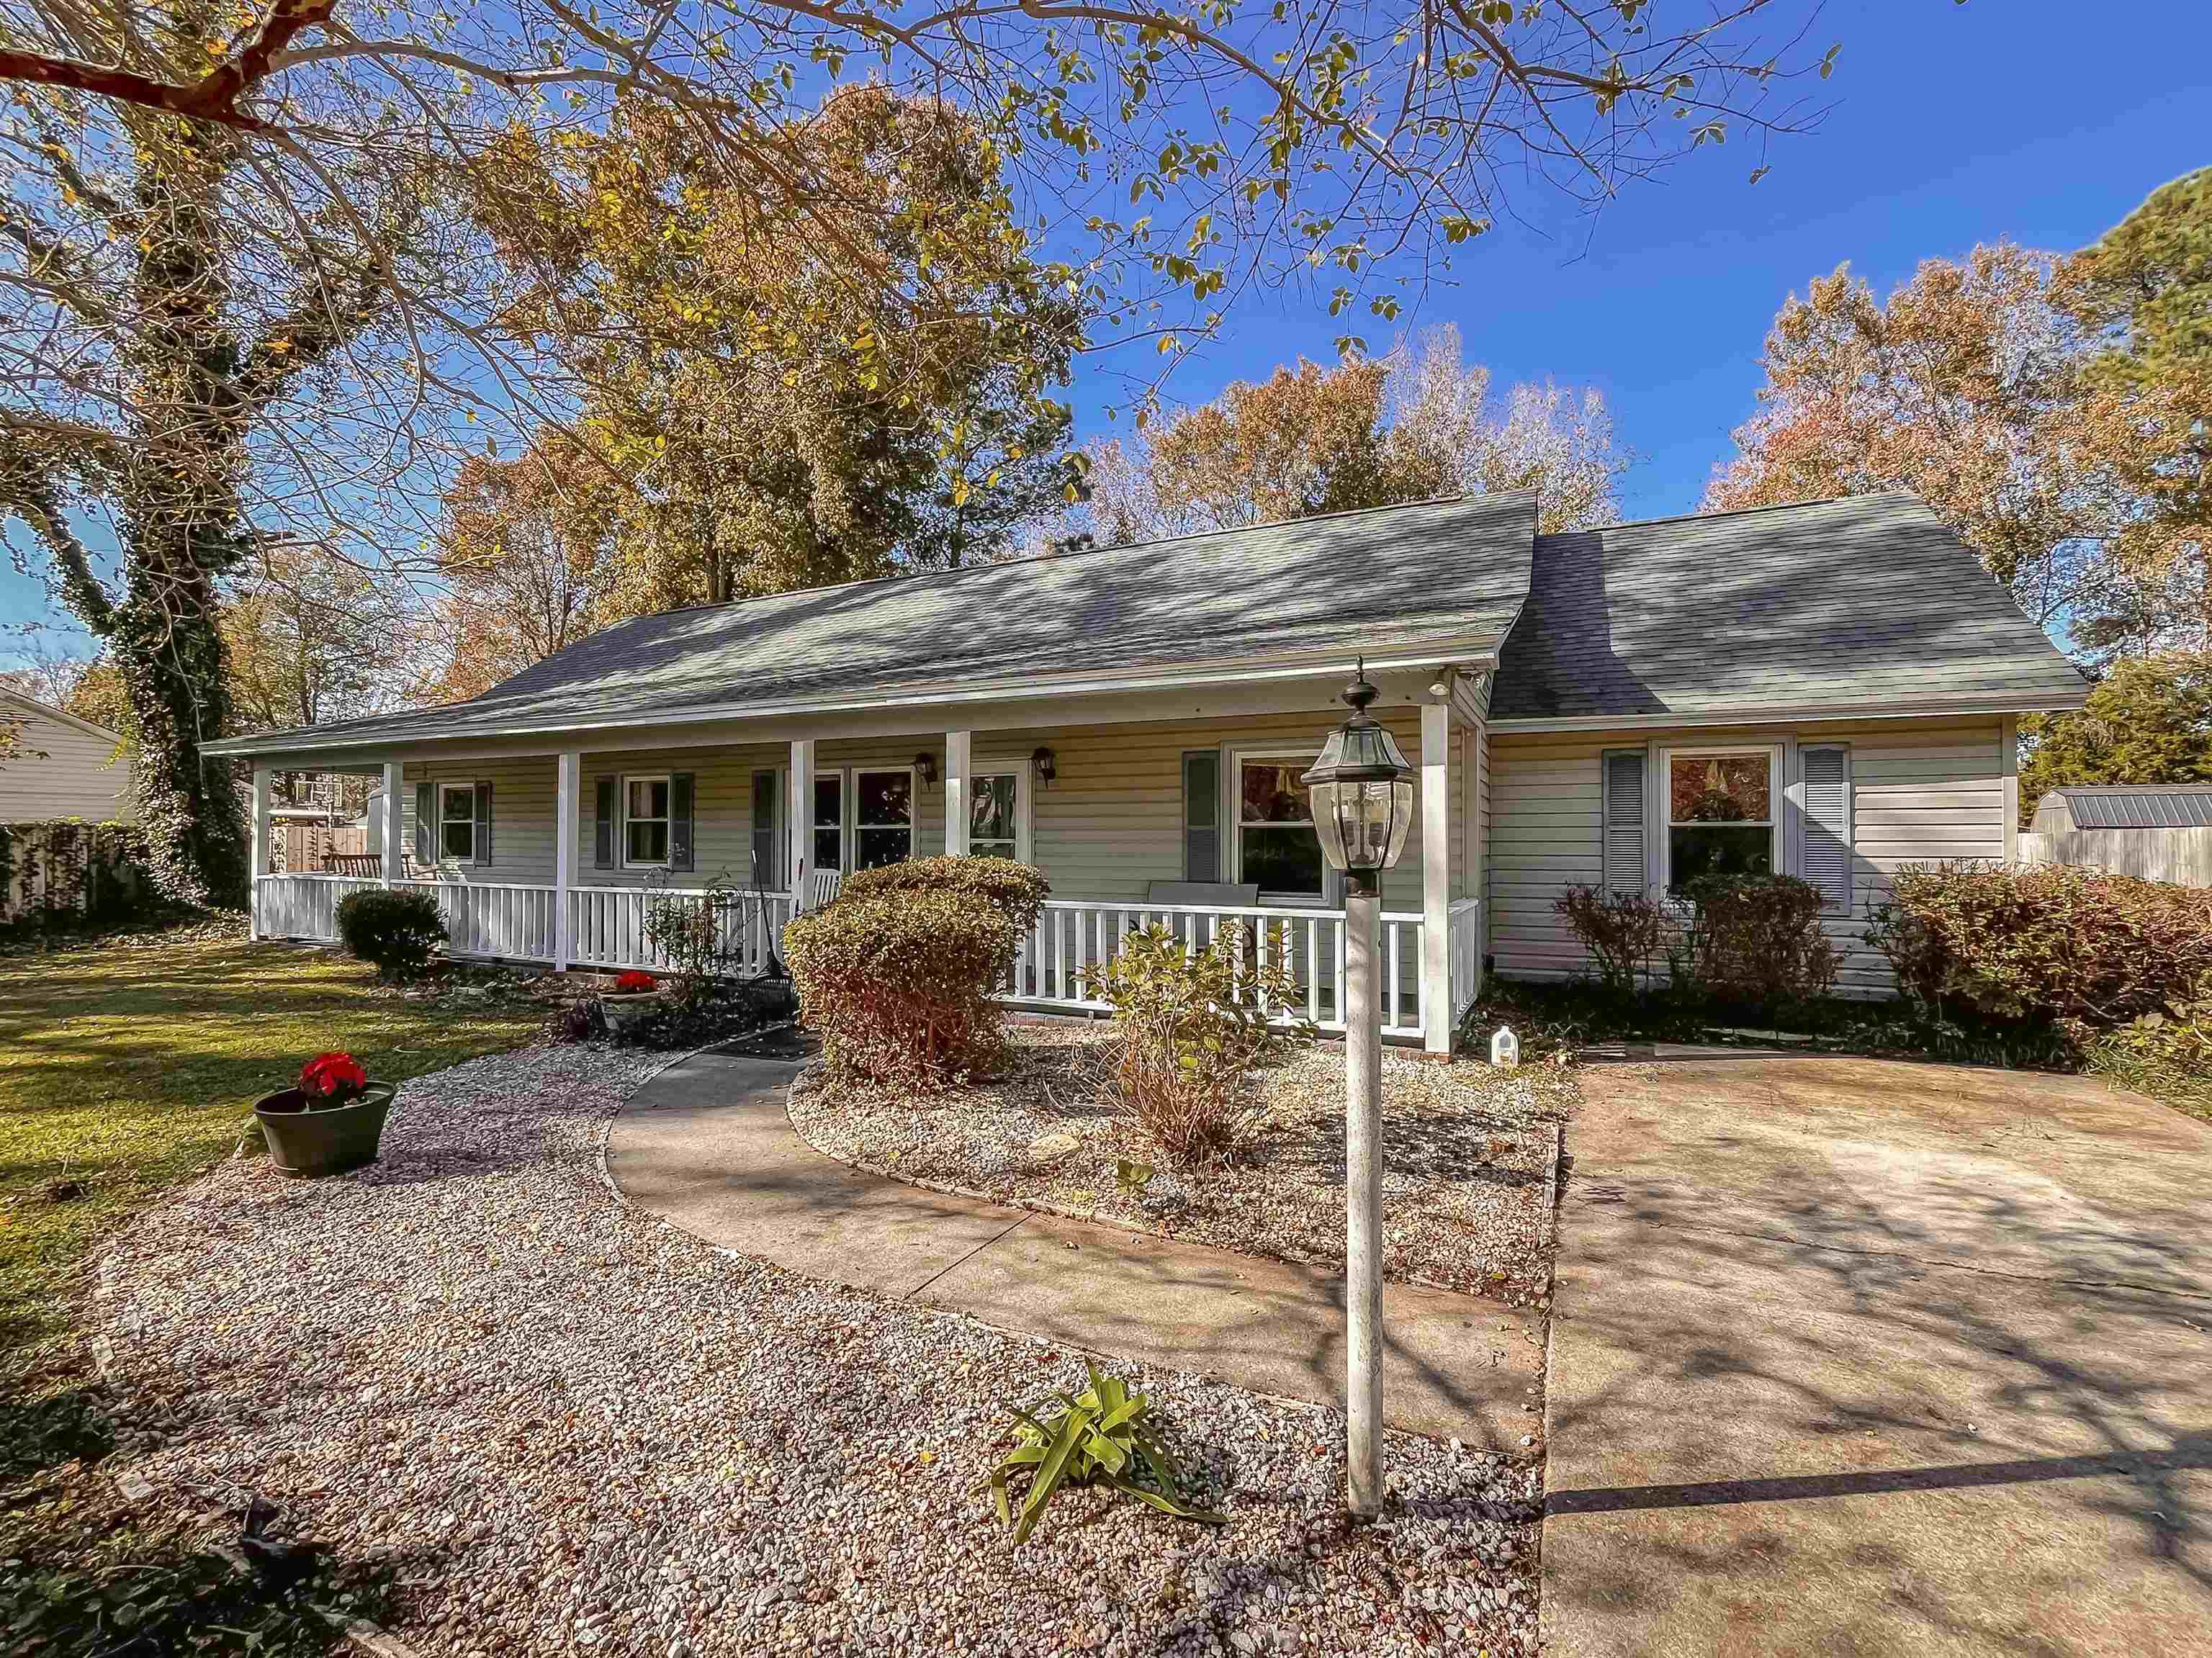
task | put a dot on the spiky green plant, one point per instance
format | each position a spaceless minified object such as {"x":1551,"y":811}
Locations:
{"x":1103,"y":1437}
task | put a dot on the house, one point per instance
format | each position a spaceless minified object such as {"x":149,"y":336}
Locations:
{"x":2160,"y":832}
{"x":69,"y":769}
{"x":1828,"y":688}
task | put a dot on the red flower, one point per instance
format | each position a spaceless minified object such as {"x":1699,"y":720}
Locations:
{"x":332,"y":1076}
{"x":635,"y":980}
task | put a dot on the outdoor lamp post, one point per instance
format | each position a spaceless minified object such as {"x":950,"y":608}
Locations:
{"x":1362,"y":792}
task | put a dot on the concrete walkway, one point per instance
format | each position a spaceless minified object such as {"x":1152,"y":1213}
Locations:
{"x":707,"y":1145}
{"x":1851,"y":1357}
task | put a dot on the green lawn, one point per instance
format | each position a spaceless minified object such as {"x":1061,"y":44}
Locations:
{"x":133,"y":1064}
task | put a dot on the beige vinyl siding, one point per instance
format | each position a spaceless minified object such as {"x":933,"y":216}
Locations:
{"x":1922,"y":790}
{"x":80,"y":776}
{"x":522,"y":797}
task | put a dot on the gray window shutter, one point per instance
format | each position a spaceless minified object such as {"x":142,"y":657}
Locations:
{"x":1202,"y":815}
{"x":765,"y":847}
{"x":1827,"y":860}
{"x":483,"y":823}
{"x":426,"y":824}
{"x":1624,"y":820}
{"x":679,"y":820}
{"x":603,"y":830}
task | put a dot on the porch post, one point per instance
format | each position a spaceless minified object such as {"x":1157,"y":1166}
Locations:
{"x":958,"y":800}
{"x":395,"y":820}
{"x":801,"y":816}
{"x":1436,"y":876}
{"x":568,"y":826}
{"x":261,"y":866}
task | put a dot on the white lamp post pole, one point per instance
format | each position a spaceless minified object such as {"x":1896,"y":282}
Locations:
{"x":1362,"y":792}
{"x":1363,"y":1192}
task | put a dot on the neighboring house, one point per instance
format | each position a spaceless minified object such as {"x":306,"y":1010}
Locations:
{"x":70,"y":769}
{"x":2161,"y":832}
{"x":1827,"y":689}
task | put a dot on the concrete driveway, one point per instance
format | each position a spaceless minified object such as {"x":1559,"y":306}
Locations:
{"x":1852,"y":1356}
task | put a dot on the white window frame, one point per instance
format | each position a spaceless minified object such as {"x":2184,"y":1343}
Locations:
{"x":622,"y":786}
{"x":1232,"y":814}
{"x":468,"y":790}
{"x":1020,"y":770}
{"x":852,"y":805}
{"x":843,"y":826}
{"x":1777,"y":783}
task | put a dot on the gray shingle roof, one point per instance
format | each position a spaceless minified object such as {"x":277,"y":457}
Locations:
{"x":2139,"y":805}
{"x":1866,"y":600}
{"x":1431,"y":570}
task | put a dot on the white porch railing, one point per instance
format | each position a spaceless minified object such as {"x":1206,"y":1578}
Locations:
{"x":1074,"y":935}
{"x":607,"y":929}
{"x":1466,"y":933}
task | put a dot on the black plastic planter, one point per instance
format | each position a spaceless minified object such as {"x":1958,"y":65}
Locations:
{"x":305,"y":1140}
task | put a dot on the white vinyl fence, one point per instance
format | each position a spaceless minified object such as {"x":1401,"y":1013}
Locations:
{"x":2180,"y":855}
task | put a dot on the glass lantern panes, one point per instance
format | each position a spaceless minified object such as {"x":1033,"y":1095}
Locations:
{"x":1720,"y":816}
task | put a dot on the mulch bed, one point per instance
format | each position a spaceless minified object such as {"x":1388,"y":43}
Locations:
{"x":1466,"y":1150}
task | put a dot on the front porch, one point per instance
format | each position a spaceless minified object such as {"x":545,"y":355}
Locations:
{"x":1191,"y":824}
{"x":606,"y":928}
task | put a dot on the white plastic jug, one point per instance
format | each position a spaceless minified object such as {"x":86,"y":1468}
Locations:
{"x":1505,"y":1047}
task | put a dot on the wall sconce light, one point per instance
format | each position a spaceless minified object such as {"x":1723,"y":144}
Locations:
{"x":1048,"y":766}
{"x":925,"y":767}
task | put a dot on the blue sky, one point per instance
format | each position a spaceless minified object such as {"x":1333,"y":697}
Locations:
{"x":1954,"y":124}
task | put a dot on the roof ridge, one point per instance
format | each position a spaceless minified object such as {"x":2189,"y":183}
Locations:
{"x":1085,"y":552}
{"x":1731,"y":512}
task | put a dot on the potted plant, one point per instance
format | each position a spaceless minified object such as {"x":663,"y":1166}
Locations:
{"x":636,"y":995}
{"x":329,"y":1122}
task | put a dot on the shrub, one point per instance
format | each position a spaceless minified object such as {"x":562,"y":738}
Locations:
{"x":398,"y":931}
{"x":1104,"y":1436}
{"x":2048,"y":942}
{"x":1757,"y":937}
{"x":691,"y":930}
{"x":896,"y":974}
{"x":1015,"y":890}
{"x":2167,"y":1054}
{"x":1189,"y":1030}
{"x":1620,"y":931}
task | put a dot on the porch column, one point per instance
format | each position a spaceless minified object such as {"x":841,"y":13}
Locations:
{"x":568,"y":826}
{"x":959,"y":746}
{"x":260,"y":864}
{"x":1436,"y":876}
{"x":395,"y":820}
{"x":801,"y":814}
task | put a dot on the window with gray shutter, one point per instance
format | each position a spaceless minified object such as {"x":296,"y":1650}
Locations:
{"x":426,"y":824}
{"x":680,"y":791}
{"x":767,"y":846}
{"x":1623,"y":821}
{"x":483,"y":823}
{"x":1828,"y":787}
{"x":1202,"y":815}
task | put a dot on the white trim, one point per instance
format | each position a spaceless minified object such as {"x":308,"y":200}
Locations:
{"x":568,"y":847}
{"x":2008,"y":752}
{"x":1461,"y":650}
{"x":1436,"y":872}
{"x":1232,"y":820}
{"x":1776,"y":783}
{"x":852,"y":823}
{"x":816,"y":776}
{"x":438,"y":853}
{"x":1797,"y":714}
{"x":959,"y":786}
{"x":623,"y":820}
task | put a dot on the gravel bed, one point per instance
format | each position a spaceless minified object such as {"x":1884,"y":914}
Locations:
{"x":1466,"y":1150}
{"x":571,"y":1428}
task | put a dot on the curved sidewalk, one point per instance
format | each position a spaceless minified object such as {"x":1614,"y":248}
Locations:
{"x":707,"y":1145}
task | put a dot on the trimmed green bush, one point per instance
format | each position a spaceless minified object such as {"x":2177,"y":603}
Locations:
{"x":896,"y":974}
{"x":1756,"y":938}
{"x":2047,"y":942}
{"x":398,"y":931}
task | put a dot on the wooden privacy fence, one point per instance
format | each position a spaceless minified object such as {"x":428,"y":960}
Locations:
{"x":2180,"y":855}
{"x":301,"y":848}
{"x":57,"y":870}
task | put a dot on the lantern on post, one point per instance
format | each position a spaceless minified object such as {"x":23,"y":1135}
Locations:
{"x":1362,"y":793}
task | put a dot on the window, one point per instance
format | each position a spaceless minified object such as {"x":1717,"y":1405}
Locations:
{"x":645,"y":820}
{"x":457,"y":822}
{"x":828,"y":820}
{"x":1276,"y":843}
{"x":994,"y":823}
{"x":883,"y":816}
{"x":1720,"y":814}
{"x":768,"y":821}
